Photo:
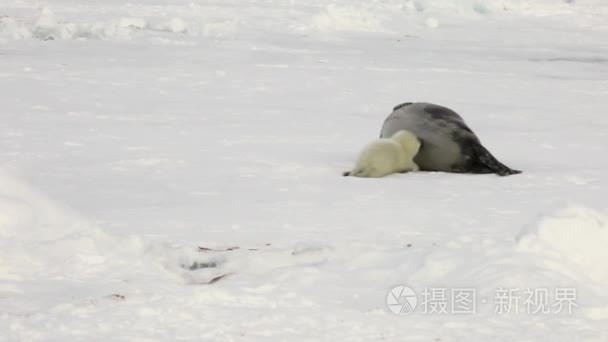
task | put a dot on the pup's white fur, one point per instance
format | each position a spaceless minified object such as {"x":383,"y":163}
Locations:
{"x":384,"y":156}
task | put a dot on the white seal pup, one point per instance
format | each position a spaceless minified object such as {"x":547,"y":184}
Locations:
{"x":384,"y":156}
{"x":448,"y":144}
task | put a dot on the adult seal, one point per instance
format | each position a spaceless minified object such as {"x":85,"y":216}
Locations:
{"x":448,"y":144}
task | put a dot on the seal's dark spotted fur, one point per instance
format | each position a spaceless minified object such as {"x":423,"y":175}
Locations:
{"x":448,"y":144}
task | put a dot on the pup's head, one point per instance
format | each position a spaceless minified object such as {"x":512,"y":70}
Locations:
{"x":408,"y":141}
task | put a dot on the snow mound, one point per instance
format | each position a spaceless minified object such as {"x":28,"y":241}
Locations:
{"x":575,"y":236}
{"x":120,"y":22}
{"x":565,"y":249}
{"x":47,"y":27}
{"x":521,"y":7}
{"x":347,"y":18}
{"x":40,"y":236}
{"x":26,"y":213}
{"x":401,"y":16}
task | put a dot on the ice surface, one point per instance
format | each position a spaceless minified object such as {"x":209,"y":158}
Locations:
{"x":172,"y":170}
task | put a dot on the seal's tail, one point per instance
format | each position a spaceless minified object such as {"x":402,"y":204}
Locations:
{"x":492,"y":163}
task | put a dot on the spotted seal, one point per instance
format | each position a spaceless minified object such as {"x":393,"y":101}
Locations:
{"x":448,"y":144}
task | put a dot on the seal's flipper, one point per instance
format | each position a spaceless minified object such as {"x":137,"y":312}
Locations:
{"x":487,"y":159}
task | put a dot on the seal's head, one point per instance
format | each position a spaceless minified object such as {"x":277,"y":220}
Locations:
{"x":408,"y":141}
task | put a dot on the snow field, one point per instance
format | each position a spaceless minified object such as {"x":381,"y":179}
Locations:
{"x":142,"y":142}
{"x":564,"y":248}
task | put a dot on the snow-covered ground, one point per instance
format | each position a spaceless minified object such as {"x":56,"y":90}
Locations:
{"x":142,"y":141}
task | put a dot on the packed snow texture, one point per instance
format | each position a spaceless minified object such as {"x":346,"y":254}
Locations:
{"x":172,"y":171}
